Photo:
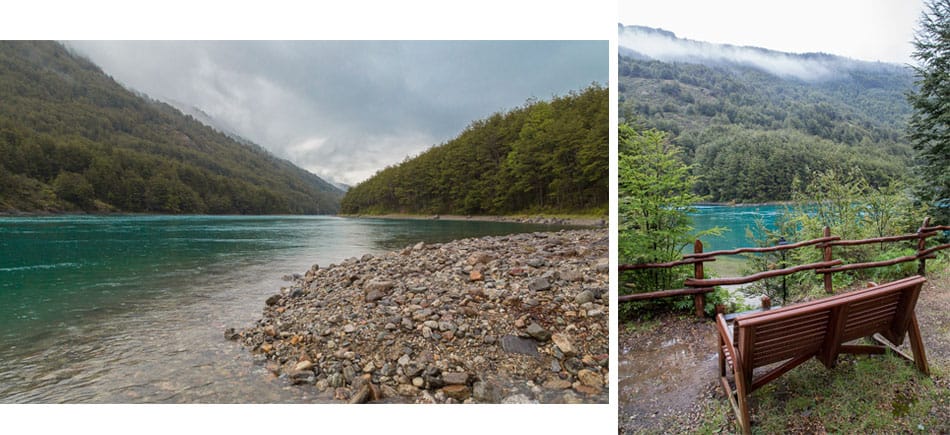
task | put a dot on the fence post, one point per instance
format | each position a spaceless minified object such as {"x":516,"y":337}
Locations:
{"x":699,"y":299}
{"x":922,"y":245}
{"x":827,"y":257}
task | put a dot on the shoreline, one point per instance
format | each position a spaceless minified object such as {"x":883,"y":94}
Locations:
{"x":521,"y":318}
{"x":566,"y":220}
{"x":8,"y":213}
{"x":742,"y":204}
{"x":578,"y":221}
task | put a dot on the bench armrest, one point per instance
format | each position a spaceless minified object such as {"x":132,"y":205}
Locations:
{"x":726,"y":337}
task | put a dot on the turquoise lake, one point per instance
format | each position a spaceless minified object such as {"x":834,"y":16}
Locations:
{"x":736,"y":219}
{"x":132,"y":309}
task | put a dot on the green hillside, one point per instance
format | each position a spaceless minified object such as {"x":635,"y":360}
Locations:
{"x":752,"y":134}
{"x":73,"y":139}
{"x":547,"y":156}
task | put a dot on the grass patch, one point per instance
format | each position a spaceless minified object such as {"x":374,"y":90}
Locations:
{"x":880,"y":394}
{"x":727,"y":266}
{"x":715,"y":420}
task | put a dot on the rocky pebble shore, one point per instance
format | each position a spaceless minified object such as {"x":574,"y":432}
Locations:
{"x":538,"y":220}
{"x":555,"y":221}
{"x":509,"y":319}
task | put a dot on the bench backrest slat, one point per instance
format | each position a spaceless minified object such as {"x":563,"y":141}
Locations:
{"x":778,"y":341}
{"x":871,"y":315}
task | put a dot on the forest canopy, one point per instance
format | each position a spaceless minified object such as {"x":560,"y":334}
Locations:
{"x":750,"y":136}
{"x":546,"y":156}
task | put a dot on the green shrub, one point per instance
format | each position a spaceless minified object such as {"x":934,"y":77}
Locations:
{"x":853,"y":210}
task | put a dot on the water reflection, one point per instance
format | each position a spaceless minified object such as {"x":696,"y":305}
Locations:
{"x":133,"y":308}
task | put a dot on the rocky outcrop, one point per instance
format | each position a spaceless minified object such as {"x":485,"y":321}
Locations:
{"x":510,"y":319}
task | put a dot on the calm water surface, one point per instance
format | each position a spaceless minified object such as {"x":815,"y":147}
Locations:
{"x":124,"y":309}
{"x":736,"y":219}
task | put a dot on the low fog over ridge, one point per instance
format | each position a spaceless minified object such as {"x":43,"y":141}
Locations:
{"x":664,"y":46}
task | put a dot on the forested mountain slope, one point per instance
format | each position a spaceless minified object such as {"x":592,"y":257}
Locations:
{"x":71,"y":139}
{"x":754,"y":122}
{"x":544,"y":156}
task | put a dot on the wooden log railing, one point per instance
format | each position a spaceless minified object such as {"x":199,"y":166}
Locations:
{"x":928,"y":253}
{"x":868,"y":265}
{"x":698,"y":286}
{"x":626,"y":267}
{"x":764,"y":249}
{"x":664,"y":293}
{"x":881,"y":239}
{"x":923,"y":253}
{"x":698,"y":292}
{"x":761,"y":275}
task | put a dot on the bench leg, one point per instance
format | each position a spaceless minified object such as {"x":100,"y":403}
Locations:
{"x":737,"y":398}
{"x":887,"y":345}
{"x":739,"y":403}
{"x":917,"y":346}
{"x":742,"y":413}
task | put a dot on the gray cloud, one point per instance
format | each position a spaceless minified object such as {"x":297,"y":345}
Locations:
{"x":345,"y":109}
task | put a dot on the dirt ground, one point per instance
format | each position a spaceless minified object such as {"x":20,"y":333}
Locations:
{"x":669,"y":368}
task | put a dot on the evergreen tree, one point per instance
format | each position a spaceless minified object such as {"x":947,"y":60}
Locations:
{"x":930,"y":122}
{"x":547,"y":156}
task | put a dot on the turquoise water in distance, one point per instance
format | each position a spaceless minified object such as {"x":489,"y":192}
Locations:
{"x":120,"y":309}
{"x":736,"y":219}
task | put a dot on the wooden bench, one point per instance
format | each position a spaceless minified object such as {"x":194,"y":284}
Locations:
{"x":819,"y":329}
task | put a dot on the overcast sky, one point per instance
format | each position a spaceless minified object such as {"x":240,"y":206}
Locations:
{"x":874,"y":30}
{"x":345,"y":109}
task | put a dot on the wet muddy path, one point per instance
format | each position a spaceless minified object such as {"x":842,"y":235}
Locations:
{"x":666,"y":367}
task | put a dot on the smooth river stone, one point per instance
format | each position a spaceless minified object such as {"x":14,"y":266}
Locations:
{"x":524,"y":346}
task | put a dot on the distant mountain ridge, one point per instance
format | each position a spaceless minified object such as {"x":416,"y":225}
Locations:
{"x":756,"y":122}
{"x":74,"y":139}
{"x":229,"y":130}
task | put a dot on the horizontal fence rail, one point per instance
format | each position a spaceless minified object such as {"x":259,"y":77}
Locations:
{"x":664,"y":293}
{"x":873,"y":264}
{"x":881,"y":239}
{"x":698,"y":285}
{"x":759,"y":250}
{"x":760,"y":276}
{"x":626,"y":267}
